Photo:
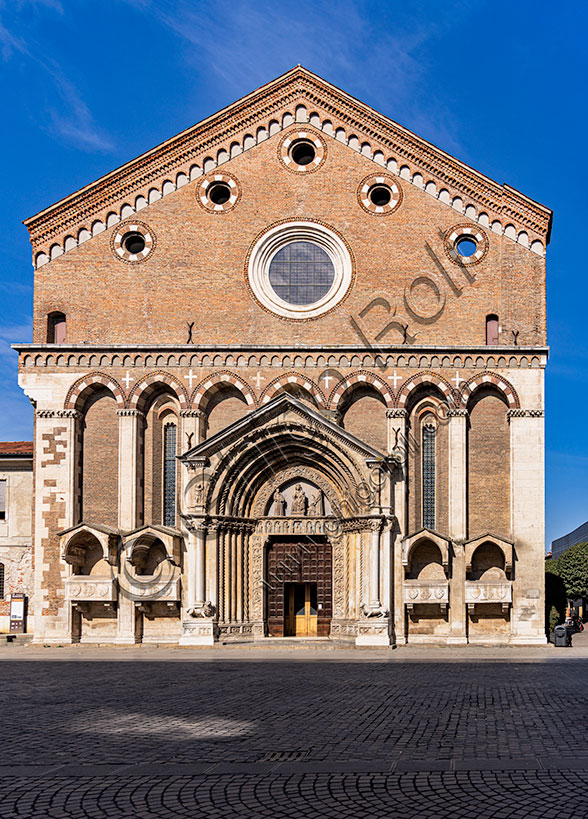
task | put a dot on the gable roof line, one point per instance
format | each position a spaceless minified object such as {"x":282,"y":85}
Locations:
{"x":296,"y":84}
{"x":274,"y":408}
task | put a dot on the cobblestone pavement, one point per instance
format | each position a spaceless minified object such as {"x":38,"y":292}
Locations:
{"x":154,"y":733}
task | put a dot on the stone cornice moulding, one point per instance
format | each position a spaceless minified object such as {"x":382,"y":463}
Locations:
{"x":173,"y":164}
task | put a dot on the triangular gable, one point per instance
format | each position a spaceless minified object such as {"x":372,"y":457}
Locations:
{"x":296,"y":96}
{"x":267,"y":413}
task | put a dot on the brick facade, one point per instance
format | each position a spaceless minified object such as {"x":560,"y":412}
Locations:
{"x":182,"y":331}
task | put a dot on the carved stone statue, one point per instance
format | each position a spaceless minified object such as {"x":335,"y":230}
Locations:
{"x":279,"y":504}
{"x":316,"y":507}
{"x":198,"y":494}
{"x":299,"y":501}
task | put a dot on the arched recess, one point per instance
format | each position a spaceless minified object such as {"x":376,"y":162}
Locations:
{"x":85,"y":386}
{"x":341,"y":391}
{"x":487,"y":563}
{"x":363,"y":413}
{"x":297,"y":385}
{"x":488,"y":462}
{"x":425,"y":561}
{"x":158,"y":450}
{"x":223,"y":398}
{"x":424,"y":380}
{"x":99,"y":456}
{"x":141,"y":393}
{"x":486,"y":380}
{"x":208,"y":387}
{"x":237,"y":482}
{"x":428,"y":456}
{"x":90,"y":550}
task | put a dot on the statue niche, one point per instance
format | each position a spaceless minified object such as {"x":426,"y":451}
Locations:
{"x":298,"y":497}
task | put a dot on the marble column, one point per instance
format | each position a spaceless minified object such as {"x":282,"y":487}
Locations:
{"x":527,"y":500}
{"x":458,"y":509}
{"x":397,"y":420}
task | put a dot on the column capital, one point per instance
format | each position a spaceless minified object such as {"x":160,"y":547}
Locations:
{"x":525,"y":413}
{"x":63,"y":413}
{"x":457,"y":412}
{"x":191,"y":413}
{"x":127,"y":412}
{"x":396,"y":412}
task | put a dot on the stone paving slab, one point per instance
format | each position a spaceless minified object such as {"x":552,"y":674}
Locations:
{"x":92,"y":733}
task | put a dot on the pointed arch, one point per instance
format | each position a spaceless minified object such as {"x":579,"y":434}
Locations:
{"x":209,"y":386}
{"x":285,"y":380}
{"x":79,"y":391}
{"x":362,"y":377}
{"x":490,"y":379}
{"x":142,"y":389}
{"x":416,"y":381}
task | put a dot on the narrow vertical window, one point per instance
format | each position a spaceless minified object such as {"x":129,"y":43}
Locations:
{"x":56,"y":326}
{"x":169,"y":475}
{"x":492,"y":329}
{"x":3,"y":500}
{"x":428,"y":476}
{"x":1,"y":581}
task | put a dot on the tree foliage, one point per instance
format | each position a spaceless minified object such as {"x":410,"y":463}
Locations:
{"x":572,"y":567}
{"x":555,"y":596}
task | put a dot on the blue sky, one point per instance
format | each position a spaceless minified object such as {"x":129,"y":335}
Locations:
{"x":501,"y":85}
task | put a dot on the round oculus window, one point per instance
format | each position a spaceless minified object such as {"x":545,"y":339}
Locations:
{"x":302,"y":151}
{"x":299,"y":270}
{"x":301,"y":273}
{"x":466,"y":245}
{"x":132,"y":242}
{"x":218,"y":192}
{"x":379,"y":194}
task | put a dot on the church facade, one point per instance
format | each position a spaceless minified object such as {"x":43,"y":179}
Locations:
{"x":287,"y":371}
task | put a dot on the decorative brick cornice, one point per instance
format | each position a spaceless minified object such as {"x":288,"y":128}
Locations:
{"x":214,"y":135}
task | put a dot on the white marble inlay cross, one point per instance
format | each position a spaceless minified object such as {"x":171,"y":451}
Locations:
{"x":395,"y":378}
{"x":327,"y":378}
{"x":190,"y":377}
{"x":127,"y":379}
{"x":457,"y":380}
{"x":258,"y":379}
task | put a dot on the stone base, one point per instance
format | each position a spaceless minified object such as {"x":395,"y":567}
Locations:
{"x":457,"y":640}
{"x":528,"y":640}
{"x":197,"y":632}
{"x":373,"y":633}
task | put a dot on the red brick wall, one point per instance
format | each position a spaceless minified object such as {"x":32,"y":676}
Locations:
{"x":366,"y":418}
{"x":196,"y":270}
{"x":489,"y":467}
{"x":100,"y":461}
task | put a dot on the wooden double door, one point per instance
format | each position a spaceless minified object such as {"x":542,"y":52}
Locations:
{"x":299,"y":578}
{"x":301,"y":610}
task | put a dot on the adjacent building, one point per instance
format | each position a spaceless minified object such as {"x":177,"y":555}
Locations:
{"x":287,"y":370}
{"x":16,"y":535}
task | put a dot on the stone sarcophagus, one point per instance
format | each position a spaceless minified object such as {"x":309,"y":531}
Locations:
{"x":80,"y":588}
{"x":432,"y":592}
{"x":480,"y":593}
{"x":165,"y":590}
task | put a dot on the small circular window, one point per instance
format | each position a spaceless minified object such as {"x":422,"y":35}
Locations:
{"x":132,"y":242}
{"x":466,"y":245}
{"x":379,"y":194}
{"x":218,"y":192}
{"x":302,"y":151}
{"x":299,"y":270}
